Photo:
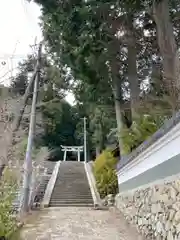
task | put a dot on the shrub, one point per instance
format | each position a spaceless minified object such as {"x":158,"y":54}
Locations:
{"x":140,"y":130}
{"x":105,"y":174}
{"x":8,"y":186}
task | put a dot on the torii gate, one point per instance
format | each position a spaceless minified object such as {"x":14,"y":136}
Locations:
{"x":77,"y":149}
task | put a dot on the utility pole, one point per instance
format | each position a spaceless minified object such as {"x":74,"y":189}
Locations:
{"x":28,"y":168}
{"x":85,"y":141}
{"x":17,"y":121}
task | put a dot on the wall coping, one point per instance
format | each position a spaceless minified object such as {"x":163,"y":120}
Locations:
{"x":168,"y":125}
{"x":92,"y":184}
{"x":163,"y":181}
{"x":50,"y":186}
{"x":164,"y":140}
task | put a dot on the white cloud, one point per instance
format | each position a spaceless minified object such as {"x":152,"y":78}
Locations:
{"x":19,"y":28}
{"x":18,"y":22}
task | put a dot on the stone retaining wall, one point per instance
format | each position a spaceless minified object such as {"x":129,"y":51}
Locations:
{"x":155,"y":209}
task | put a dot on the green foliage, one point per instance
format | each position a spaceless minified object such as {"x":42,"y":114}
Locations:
{"x":21,"y":149}
{"x":141,"y":129}
{"x":105,"y":173}
{"x":102,"y":119}
{"x":19,"y":83}
{"x":8,"y":186}
{"x":82,"y":35}
{"x":59,"y":123}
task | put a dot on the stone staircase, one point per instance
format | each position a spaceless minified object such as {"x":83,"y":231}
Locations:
{"x":49,"y":165}
{"x":71,"y":187}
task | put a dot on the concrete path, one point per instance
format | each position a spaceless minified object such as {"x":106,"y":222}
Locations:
{"x":78,"y":223}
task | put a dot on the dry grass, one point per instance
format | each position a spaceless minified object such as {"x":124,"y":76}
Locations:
{"x":13,"y":148}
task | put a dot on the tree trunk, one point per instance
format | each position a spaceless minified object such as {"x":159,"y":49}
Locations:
{"x":132,"y":71}
{"x":100,"y":144}
{"x":97,"y":151}
{"x":116,"y":91}
{"x":116,"y":84}
{"x":103,"y":140}
{"x":127,"y":115}
{"x":168,"y":48}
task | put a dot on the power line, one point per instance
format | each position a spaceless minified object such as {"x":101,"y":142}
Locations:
{"x":12,"y":56}
{"x":16,"y":68}
{"x":8,"y":55}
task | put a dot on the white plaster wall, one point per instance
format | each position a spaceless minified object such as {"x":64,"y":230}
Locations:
{"x":165,"y":148}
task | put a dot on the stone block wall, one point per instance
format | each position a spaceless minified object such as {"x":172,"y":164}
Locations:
{"x":155,"y":209}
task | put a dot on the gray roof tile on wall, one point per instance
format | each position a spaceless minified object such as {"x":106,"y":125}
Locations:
{"x":166,"y":127}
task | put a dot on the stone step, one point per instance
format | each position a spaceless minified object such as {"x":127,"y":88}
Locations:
{"x":84,"y":194}
{"x":67,"y":178}
{"x":71,"y":187}
{"x":79,"y":186}
{"x":71,"y":199}
{"x":59,"y":204}
{"x":71,"y":184}
{"x":42,"y":187}
{"x":71,"y":205}
{"x":78,"y":190}
{"x":71,"y":193}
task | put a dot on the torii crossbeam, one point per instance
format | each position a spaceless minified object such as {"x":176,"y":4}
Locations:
{"x":77,"y":149}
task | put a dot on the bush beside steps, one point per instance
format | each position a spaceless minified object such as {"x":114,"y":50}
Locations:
{"x":104,"y":170}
